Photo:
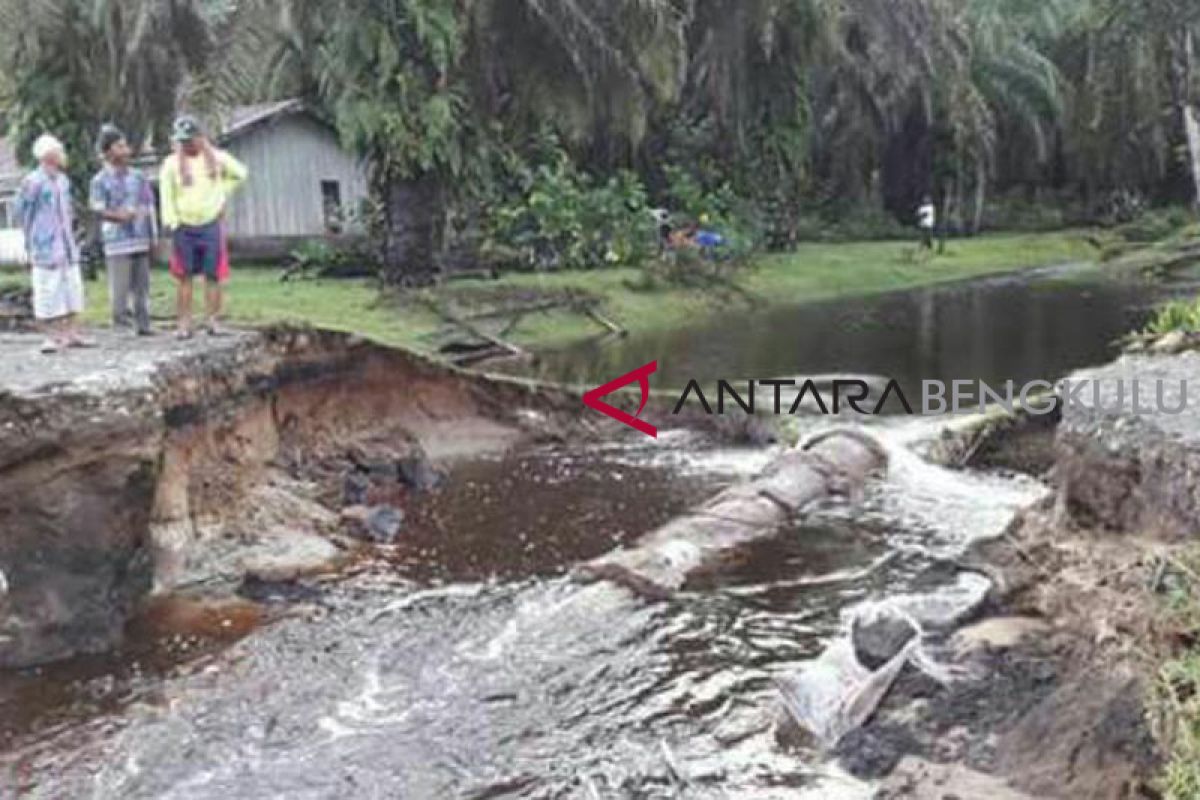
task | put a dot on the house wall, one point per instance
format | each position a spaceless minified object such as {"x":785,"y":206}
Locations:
{"x":288,"y":159}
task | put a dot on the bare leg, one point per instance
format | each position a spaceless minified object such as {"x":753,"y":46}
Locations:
{"x":53,"y":340}
{"x":183,"y":305}
{"x":212,"y":302}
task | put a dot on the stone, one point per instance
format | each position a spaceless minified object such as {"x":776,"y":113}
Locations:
{"x":419,"y":474}
{"x":288,"y":555}
{"x":380,"y":524}
{"x":355,"y":488}
{"x":997,"y":633}
{"x":1171,"y":343}
{"x":355,"y":514}
{"x":384,"y":523}
{"x":879,"y":634}
{"x":376,"y":459}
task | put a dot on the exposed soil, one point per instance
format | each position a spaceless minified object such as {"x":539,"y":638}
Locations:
{"x":1058,"y":713}
{"x":170,"y":464}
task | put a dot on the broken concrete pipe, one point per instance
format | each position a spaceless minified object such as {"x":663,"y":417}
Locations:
{"x":663,"y":561}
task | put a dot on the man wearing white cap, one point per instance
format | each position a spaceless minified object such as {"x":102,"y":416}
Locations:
{"x":44,"y":210}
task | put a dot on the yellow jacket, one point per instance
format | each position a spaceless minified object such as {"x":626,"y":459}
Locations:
{"x":203,"y":200}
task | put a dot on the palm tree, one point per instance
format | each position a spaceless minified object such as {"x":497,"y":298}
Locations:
{"x":419,"y":87}
{"x":73,"y":64}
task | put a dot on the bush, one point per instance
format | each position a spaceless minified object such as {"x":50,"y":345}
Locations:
{"x":322,"y":257}
{"x":1178,"y":315}
{"x":691,"y":269}
{"x":562,"y":219}
{"x":1155,"y":226}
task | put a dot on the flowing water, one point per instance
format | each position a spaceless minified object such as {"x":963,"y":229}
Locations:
{"x":469,"y":663}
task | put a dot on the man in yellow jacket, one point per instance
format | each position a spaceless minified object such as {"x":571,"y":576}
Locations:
{"x":195,"y":185}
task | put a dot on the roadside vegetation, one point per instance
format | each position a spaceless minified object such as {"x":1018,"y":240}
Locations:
{"x":1176,"y":700}
{"x":811,"y":272}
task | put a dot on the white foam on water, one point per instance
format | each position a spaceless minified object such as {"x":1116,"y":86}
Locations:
{"x":945,"y":510}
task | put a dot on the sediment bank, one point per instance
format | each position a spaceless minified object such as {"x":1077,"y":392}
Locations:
{"x":143,"y":466}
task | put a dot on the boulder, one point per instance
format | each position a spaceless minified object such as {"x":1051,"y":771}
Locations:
{"x":356,"y":486}
{"x":880,"y":635}
{"x":379,"y":524}
{"x":384,"y":523}
{"x":417,"y":473}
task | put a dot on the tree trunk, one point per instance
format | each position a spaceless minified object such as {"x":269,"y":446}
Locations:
{"x":412,"y":230}
{"x":980,"y":195}
{"x":1191,"y":126}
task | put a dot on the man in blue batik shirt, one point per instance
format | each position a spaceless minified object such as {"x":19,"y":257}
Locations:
{"x":124,"y":200}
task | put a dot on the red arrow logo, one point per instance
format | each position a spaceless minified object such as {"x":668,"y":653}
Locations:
{"x":642,"y":376}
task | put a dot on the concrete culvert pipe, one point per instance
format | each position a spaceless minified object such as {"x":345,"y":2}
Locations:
{"x":663,"y":561}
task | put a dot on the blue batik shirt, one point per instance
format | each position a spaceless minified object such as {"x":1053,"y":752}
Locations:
{"x":44,"y":212}
{"x":124,"y":189}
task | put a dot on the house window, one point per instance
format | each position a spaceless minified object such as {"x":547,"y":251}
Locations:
{"x":331,"y":205}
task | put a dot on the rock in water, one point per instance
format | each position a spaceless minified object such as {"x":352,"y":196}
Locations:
{"x":879,"y":634}
{"x":355,"y":487}
{"x":384,"y":523}
{"x":417,"y":473}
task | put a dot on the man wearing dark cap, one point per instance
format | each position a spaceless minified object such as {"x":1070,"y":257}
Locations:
{"x":124,"y":201}
{"x":196,"y":183}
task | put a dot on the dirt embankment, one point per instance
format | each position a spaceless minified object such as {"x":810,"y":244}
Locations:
{"x":166,"y":464}
{"x":1057,"y":696}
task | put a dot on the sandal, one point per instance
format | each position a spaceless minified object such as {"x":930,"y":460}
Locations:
{"x":81,"y":343}
{"x":184,"y":333}
{"x":49,"y":347}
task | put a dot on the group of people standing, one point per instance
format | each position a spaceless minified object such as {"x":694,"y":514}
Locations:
{"x":195,"y":184}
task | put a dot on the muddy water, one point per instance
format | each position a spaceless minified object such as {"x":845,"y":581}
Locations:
{"x":467,"y":663}
{"x":1022,"y":328}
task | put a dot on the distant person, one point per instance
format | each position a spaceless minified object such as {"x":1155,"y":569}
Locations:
{"x":662,"y":222}
{"x":196,"y":183}
{"x":43,"y":208}
{"x":124,"y":201}
{"x":927,"y":221}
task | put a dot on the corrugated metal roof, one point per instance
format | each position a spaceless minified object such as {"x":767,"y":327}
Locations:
{"x":242,"y":118}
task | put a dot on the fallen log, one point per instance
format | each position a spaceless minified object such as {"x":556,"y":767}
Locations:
{"x":663,"y":561}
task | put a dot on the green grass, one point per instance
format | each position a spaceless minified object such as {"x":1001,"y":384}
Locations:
{"x":813,"y":272}
{"x":1177,"y":315}
{"x":256,"y":296}
{"x":1175,"y":701}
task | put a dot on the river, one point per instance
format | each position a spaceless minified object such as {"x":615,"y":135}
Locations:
{"x":468,"y":663}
